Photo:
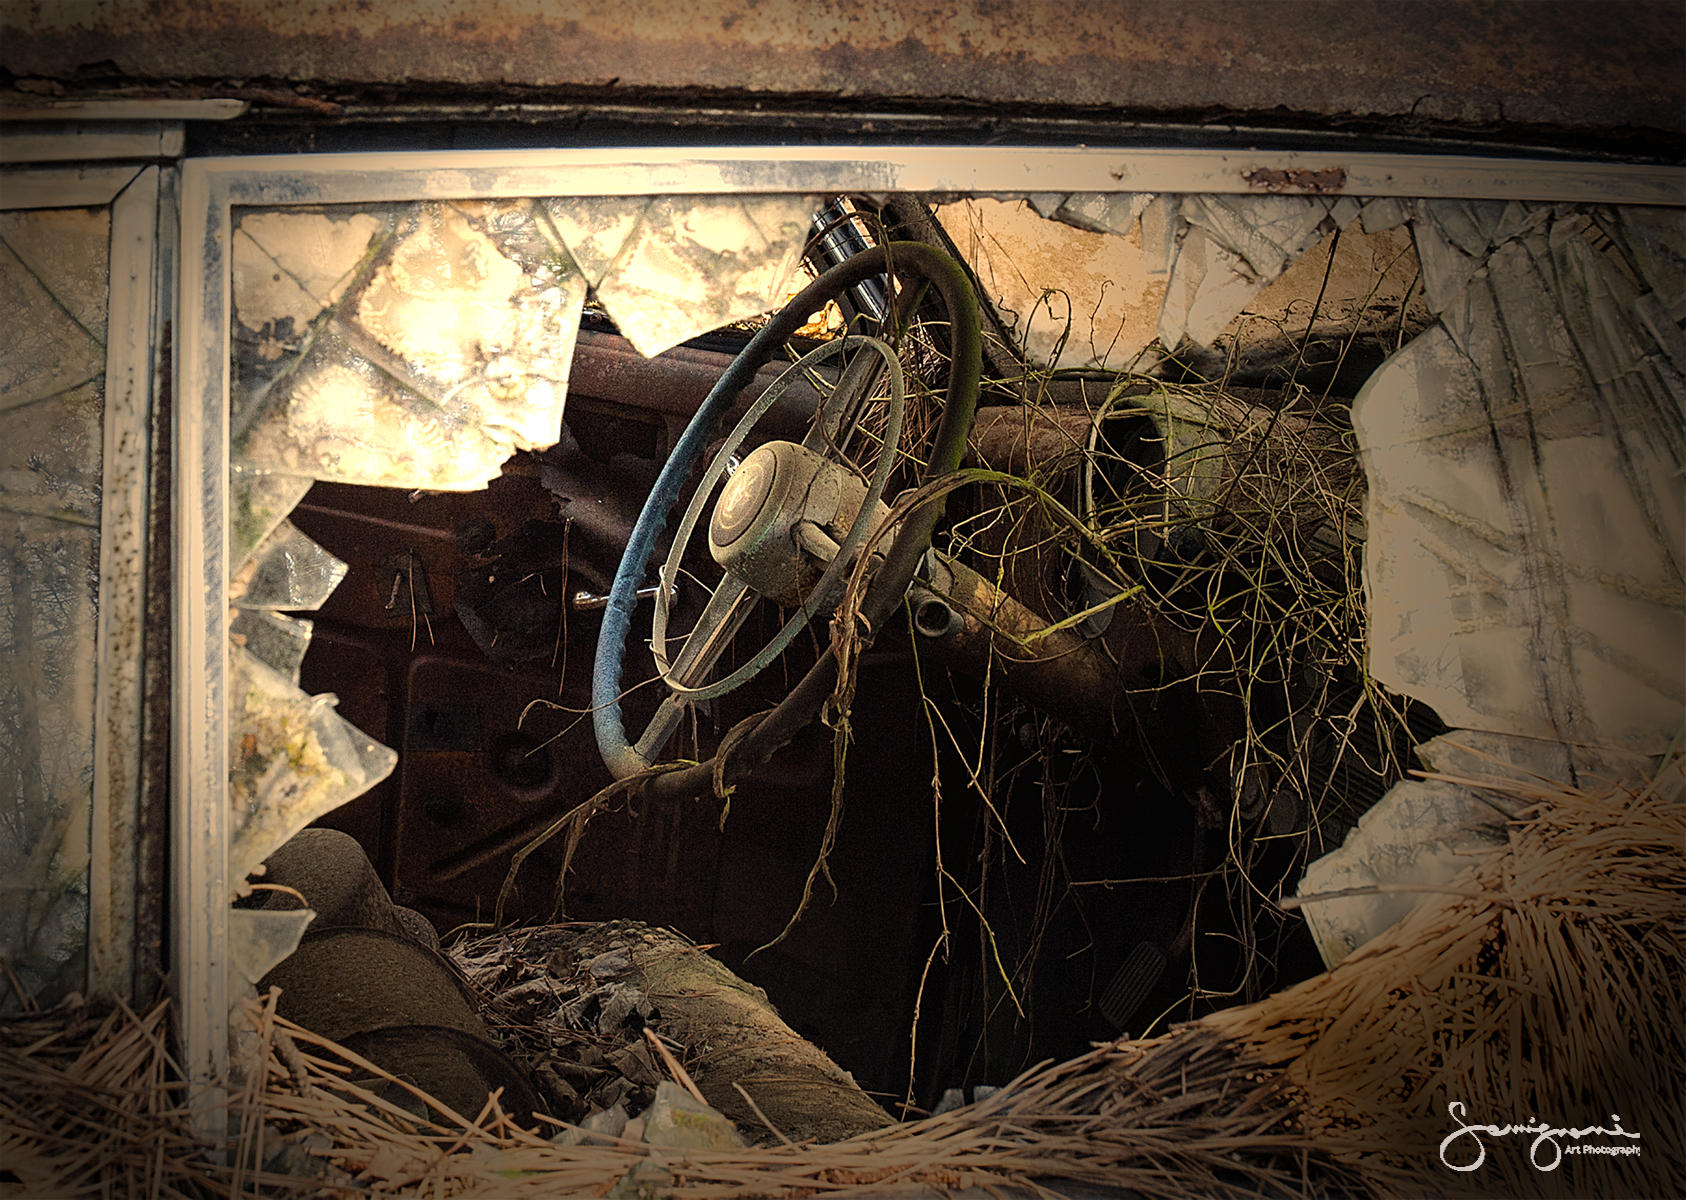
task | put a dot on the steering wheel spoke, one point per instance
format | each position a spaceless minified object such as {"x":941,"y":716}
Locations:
{"x":841,"y":411}
{"x":721,"y":618}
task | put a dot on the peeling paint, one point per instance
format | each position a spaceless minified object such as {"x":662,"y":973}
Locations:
{"x":1326,"y":182}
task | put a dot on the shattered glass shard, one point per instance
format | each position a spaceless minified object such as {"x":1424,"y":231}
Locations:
{"x":1383,"y":214}
{"x":1209,"y":287}
{"x":697,"y":263}
{"x":1159,"y":234}
{"x":486,"y":338}
{"x":258,"y":940}
{"x":1447,"y":270}
{"x":1267,"y":232}
{"x":277,"y":641}
{"x":291,"y":759}
{"x":295,"y":264}
{"x":1420,"y":834}
{"x":258,"y":501}
{"x":442,"y":294}
{"x":286,"y":571}
{"x":1102,"y":212}
{"x":265,"y":297}
{"x":594,"y":228}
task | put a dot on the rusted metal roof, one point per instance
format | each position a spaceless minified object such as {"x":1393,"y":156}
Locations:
{"x":1426,"y":65}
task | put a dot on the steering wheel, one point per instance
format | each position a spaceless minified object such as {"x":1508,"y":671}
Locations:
{"x":790,"y":517}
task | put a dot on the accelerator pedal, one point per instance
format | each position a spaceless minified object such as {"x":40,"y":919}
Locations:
{"x":1132,"y":983}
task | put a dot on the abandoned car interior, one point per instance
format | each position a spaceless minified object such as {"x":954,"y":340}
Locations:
{"x":1012,"y":667}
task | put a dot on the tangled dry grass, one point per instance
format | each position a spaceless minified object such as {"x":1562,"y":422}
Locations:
{"x":1543,"y":983}
{"x":1542,"y":986}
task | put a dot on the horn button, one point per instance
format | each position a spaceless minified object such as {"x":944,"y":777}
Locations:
{"x":780,"y":517}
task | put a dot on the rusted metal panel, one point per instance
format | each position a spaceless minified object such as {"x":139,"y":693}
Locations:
{"x":1330,"y":181}
{"x":1430,"y":62}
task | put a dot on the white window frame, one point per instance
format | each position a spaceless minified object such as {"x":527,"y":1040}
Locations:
{"x":132,"y":193}
{"x":211,"y":188}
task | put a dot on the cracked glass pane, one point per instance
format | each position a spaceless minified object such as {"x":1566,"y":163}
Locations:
{"x":594,"y":228}
{"x":67,"y":248}
{"x":52,"y":364}
{"x":413,"y":346}
{"x":1525,"y":560}
{"x":696,"y":263}
{"x":48,"y":352}
{"x":419,"y":346}
{"x":292,"y":758}
{"x":50,"y":452}
{"x":286,"y":571}
{"x":47,"y":636}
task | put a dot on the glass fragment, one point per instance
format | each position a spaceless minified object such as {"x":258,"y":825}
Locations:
{"x":292,"y":758}
{"x":287,"y":571}
{"x":696,"y":263}
{"x":277,"y":641}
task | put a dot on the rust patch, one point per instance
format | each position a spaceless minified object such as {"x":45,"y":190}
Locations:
{"x":1578,"y":70}
{"x":1315,"y":183}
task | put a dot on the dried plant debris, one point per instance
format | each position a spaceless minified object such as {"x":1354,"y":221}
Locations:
{"x":1221,"y":530}
{"x":1539,"y":985}
{"x":1539,"y":988}
{"x":1514,"y":560}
